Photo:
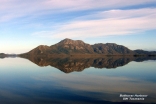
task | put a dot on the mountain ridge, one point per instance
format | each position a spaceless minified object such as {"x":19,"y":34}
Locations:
{"x":78,"y":47}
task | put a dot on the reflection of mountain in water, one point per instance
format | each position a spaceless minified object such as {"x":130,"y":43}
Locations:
{"x":70,"y":64}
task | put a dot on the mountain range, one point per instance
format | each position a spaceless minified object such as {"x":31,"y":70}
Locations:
{"x":78,"y":47}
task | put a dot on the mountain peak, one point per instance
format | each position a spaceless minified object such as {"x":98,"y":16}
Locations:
{"x":70,"y":41}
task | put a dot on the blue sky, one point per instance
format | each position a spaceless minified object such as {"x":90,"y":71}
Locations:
{"x":26,"y":24}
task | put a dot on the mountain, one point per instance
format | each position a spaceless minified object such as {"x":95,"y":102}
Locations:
{"x":111,"y":49}
{"x":78,"y":47}
{"x":142,"y":52}
{"x":66,"y":46}
{"x":2,"y":55}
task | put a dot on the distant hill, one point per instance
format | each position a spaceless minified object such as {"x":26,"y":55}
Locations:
{"x":111,"y":49}
{"x":142,"y":52}
{"x":2,"y":55}
{"x":78,"y":47}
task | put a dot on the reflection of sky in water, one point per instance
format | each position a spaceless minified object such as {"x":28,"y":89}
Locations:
{"x":24,"y":82}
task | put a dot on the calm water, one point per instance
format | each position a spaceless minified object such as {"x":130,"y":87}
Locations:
{"x":76,"y":81}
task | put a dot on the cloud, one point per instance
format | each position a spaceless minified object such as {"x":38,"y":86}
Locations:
{"x":105,"y":23}
{"x":13,"y":9}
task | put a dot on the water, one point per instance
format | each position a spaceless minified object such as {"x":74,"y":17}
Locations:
{"x":76,"y":80}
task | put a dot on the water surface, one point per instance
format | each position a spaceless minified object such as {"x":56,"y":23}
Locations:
{"x":76,"y":80}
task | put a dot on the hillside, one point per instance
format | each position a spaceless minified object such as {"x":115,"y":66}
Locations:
{"x":78,"y":47}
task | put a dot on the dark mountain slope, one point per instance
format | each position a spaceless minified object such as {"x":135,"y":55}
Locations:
{"x":111,"y":49}
{"x":68,"y":46}
{"x":78,"y":47}
{"x":142,"y":52}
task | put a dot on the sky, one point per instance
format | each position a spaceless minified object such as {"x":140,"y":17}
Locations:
{"x":25,"y":24}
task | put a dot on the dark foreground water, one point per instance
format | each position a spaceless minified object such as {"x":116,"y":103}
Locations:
{"x":77,"y":81}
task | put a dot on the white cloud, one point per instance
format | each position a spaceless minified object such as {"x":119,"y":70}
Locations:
{"x":12,"y":9}
{"x":113,"y":22}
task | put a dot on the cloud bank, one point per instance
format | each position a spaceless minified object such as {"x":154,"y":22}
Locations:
{"x":12,"y":9}
{"x":106,"y":23}
{"x":113,"y":17}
